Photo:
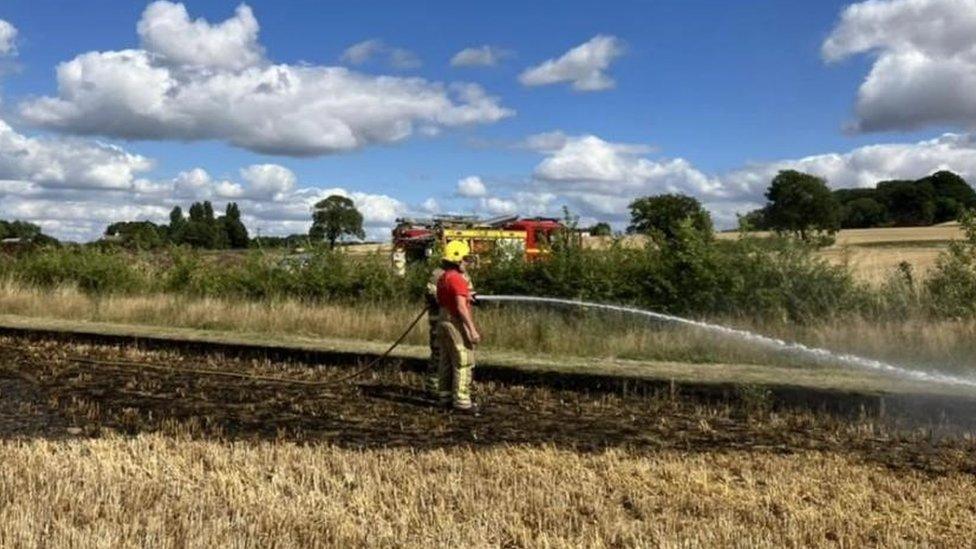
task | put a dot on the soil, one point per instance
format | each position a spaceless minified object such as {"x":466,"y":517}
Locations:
{"x":45,"y":393}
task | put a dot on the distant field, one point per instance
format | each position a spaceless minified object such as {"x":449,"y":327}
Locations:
{"x":875,"y":253}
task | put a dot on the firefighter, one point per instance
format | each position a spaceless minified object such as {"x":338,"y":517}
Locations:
{"x":433,"y":318}
{"x":433,"y":339}
{"x":457,"y":333}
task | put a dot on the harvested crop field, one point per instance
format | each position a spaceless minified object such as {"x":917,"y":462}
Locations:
{"x":117,"y":454}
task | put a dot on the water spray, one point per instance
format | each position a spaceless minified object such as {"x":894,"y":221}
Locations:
{"x":819,"y":355}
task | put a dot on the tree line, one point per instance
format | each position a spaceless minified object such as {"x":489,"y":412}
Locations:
{"x":797,"y":203}
{"x":803,"y":205}
{"x":200,"y":229}
{"x":333,"y":219}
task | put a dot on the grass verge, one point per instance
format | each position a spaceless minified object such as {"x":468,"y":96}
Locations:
{"x":944,"y":345}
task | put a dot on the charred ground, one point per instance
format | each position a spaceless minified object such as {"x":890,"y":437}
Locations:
{"x":47,"y":394}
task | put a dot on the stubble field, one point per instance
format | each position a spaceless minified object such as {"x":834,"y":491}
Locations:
{"x":119,"y":455}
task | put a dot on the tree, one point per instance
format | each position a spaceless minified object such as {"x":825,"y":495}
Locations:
{"x":201,"y":229}
{"x":753,"y":221}
{"x":237,"y":236}
{"x":909,"y":203}
{"x":139,"y":235}
{"x":662,"y":215}
{"x":863,"y":213}
{"x":19,"y":229}
{"x":26,"y":232}
{"x":952,"y":195}
{"x":335,"y":217}
{"x":801,"y":204}
{"x":601,"y":229}
{"x":208,"y":211}
{"x":176,"y":230}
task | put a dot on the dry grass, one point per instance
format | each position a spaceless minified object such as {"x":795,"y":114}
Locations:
{"x":890,"y":235}
{"x":158,"y":491}
{"x":875,"y":265}
{"x":874,"y":254}
{"x":946,"y":345}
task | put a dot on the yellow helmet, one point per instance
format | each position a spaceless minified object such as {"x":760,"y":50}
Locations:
{"x":456,"y":250}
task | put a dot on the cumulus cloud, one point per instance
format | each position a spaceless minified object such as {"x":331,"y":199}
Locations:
{"x":865,"y":166}
{"x":72,"y":164}
{"x":361,"y":52}
{"x":590,"y":164}
{"x":471,"y":187}
{"x":585,"y":66}
{"x":171,"y":92}
{"x":367,"y":50}
{"x":269,"y":180}
{"x":74,"y":188}
{"x":497,"y":206}
{"x":598,"y":179}
{"x":430,"y":206}
{"x":194,"y":183}
{"x":8,"y":38}
{"x":481,"y":56}
{"x":167,"y":31}
{"x":925,"y":66}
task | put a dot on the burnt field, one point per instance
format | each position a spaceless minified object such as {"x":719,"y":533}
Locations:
{"x":54,"y":390}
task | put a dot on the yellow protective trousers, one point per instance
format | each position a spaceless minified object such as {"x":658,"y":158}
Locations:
{"x":454,"y":373}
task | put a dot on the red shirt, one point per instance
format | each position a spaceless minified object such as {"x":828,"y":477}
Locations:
{"x":450,"y":285}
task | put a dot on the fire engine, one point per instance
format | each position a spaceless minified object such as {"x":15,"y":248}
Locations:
{"x":529,"y":237}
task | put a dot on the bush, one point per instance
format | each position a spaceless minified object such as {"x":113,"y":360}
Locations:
{"x":776,"y":278}
{"x":691,"y":275}
{"x":952,"y":284}
{"x":91,"y":270}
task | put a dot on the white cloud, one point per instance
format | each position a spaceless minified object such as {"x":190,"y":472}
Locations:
{"x":229,"y":189}
{"x":480,"y":56}
{"x":74,"y":188}
{"x":8,"y":38}
{"x":367,"y":50}
{"x":194,"y":183}
{"x":546,"y":142}
{"x":403,"y":59}
{"x":67,"y":163}
{"x":167,"y":31}
{"x":925,"y":66}
{"x":430,"y":206}
{"x":599,"y":179}
{"x":497,"y":206}
{"x":269,"y":180}
{"x":585,"y":66}
{"x":865,"y":166}
{"x":471,"y":187}
{"x":589,"y":164}
{"x":296,"y":110}
{"x":361,"y":52}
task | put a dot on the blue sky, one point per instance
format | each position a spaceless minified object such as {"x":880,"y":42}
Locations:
{"x":707,"y":98}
